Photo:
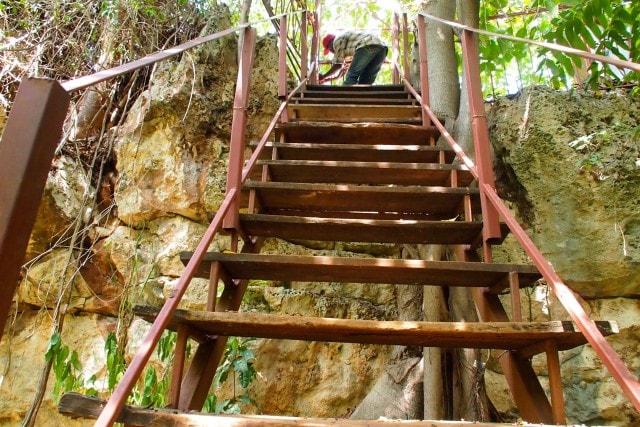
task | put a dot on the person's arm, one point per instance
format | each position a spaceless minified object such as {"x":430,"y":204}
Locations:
{"x":331,"y":74}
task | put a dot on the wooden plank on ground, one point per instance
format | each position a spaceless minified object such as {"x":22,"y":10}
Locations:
{"x":76,"y":405}
{"x":483,"y":335}
{"x":364,"y":270}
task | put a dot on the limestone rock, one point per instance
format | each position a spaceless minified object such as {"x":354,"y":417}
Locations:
{"x":570,"y":161}
{"x":589,"y":390}
{"x":311,"y":378}
{"x":173,"y":156}
{"x":61,"y":205}
{"x":22,"y":359}
{"x":54,"y":276}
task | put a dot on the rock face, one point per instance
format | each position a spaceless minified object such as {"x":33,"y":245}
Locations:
{"x":567,"y":162}
{"x":570,"y":165}
{"x":571,"y":162}
{"x":173,"y":160}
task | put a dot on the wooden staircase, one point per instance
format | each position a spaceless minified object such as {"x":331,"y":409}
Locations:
{"x":355,"y":164}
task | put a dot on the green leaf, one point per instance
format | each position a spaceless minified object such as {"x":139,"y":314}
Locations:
{"x":54,"y":345}
{"x":75,"y":361}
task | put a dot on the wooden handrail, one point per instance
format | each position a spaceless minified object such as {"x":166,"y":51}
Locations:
{"x":610,"y":358}
{"x":263,"y":141}
{"x":101,"y":76}
{"x":619,"y":371}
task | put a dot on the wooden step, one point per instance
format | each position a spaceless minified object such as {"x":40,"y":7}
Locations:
{"x":350,"y":99}
{"x":355,"y":133}
{"x":299,"y":268}
{"x":356,"y":88}
{"x":349,"y":113}
{"x":357,"y":152}
{"x":364,"y":230}
{"x":346,"y":93}
{"x":275,"y":196}
{"x":372,"y":173}
{"x":78,"y":405}
{"x":520,"y":336}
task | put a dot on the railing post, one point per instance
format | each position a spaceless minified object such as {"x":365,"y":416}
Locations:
{"x":304,"y":47}
{"x":282,"y":62}
{"x":27,"y":148}
{"x":239,"y":127}
{"x":405,"y":47}
{"x":424,"y":69}
{"x":471,"y":61}
{"x":315,"y":42}
{"x":396,"y":48}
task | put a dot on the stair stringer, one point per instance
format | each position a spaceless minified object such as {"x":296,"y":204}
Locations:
{"x":199,"y":376}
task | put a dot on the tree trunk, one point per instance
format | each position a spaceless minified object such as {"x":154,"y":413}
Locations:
{"x":469,"y":397}
{"x":468,"y":14}
{"x":244,"y":18}
{"x":444,"y":89}
{"x":398,"y":392}
{"x":434,"y":311}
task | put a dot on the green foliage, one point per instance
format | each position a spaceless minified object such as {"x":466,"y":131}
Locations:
{"x":607,"y":28}
{"x":115,"y":361}
{"x":67,"y":369}
{"x":238,"y":362}
{"x":610,"y":153}
{"x":154,"y":387}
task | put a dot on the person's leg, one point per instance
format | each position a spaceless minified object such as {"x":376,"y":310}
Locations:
{"x":371,"y":70}
{"x":359,"y":63}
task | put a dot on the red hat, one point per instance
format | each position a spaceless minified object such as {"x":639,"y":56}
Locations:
{"x":326,"y":41}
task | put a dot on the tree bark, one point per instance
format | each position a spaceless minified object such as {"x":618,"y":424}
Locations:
{"x":434,"y":309}
{"x":444,"y":88}
{"x":398,"y":393}
{"x":468,"y":14}
{"x":244,"y":18}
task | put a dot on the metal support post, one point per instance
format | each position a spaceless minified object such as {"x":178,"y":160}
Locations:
{"x":26,"y":151}
{"x":239,"y":127}
{"x":471,"y":61}
{"x":304,"y":46}
{"x":405,"y":47}
{"x":395,"y":34}
{"x":282,"y":61}
{"x":424,"y":69}
{"x":315,"y":42}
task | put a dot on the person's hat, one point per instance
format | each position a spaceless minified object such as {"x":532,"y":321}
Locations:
{"x":326,"y":41}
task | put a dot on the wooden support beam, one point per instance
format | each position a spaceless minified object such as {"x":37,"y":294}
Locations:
{"x":555,"y":383}
{"x":77,"y":405}
{"x":178,"y":365}
{"x":395,"y":48}
{"x":424,"y":69}
{"x":523,"y":381}
{"x":214,"y":277}
{"x":514,"y":289}
{"x":198,"y":378}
